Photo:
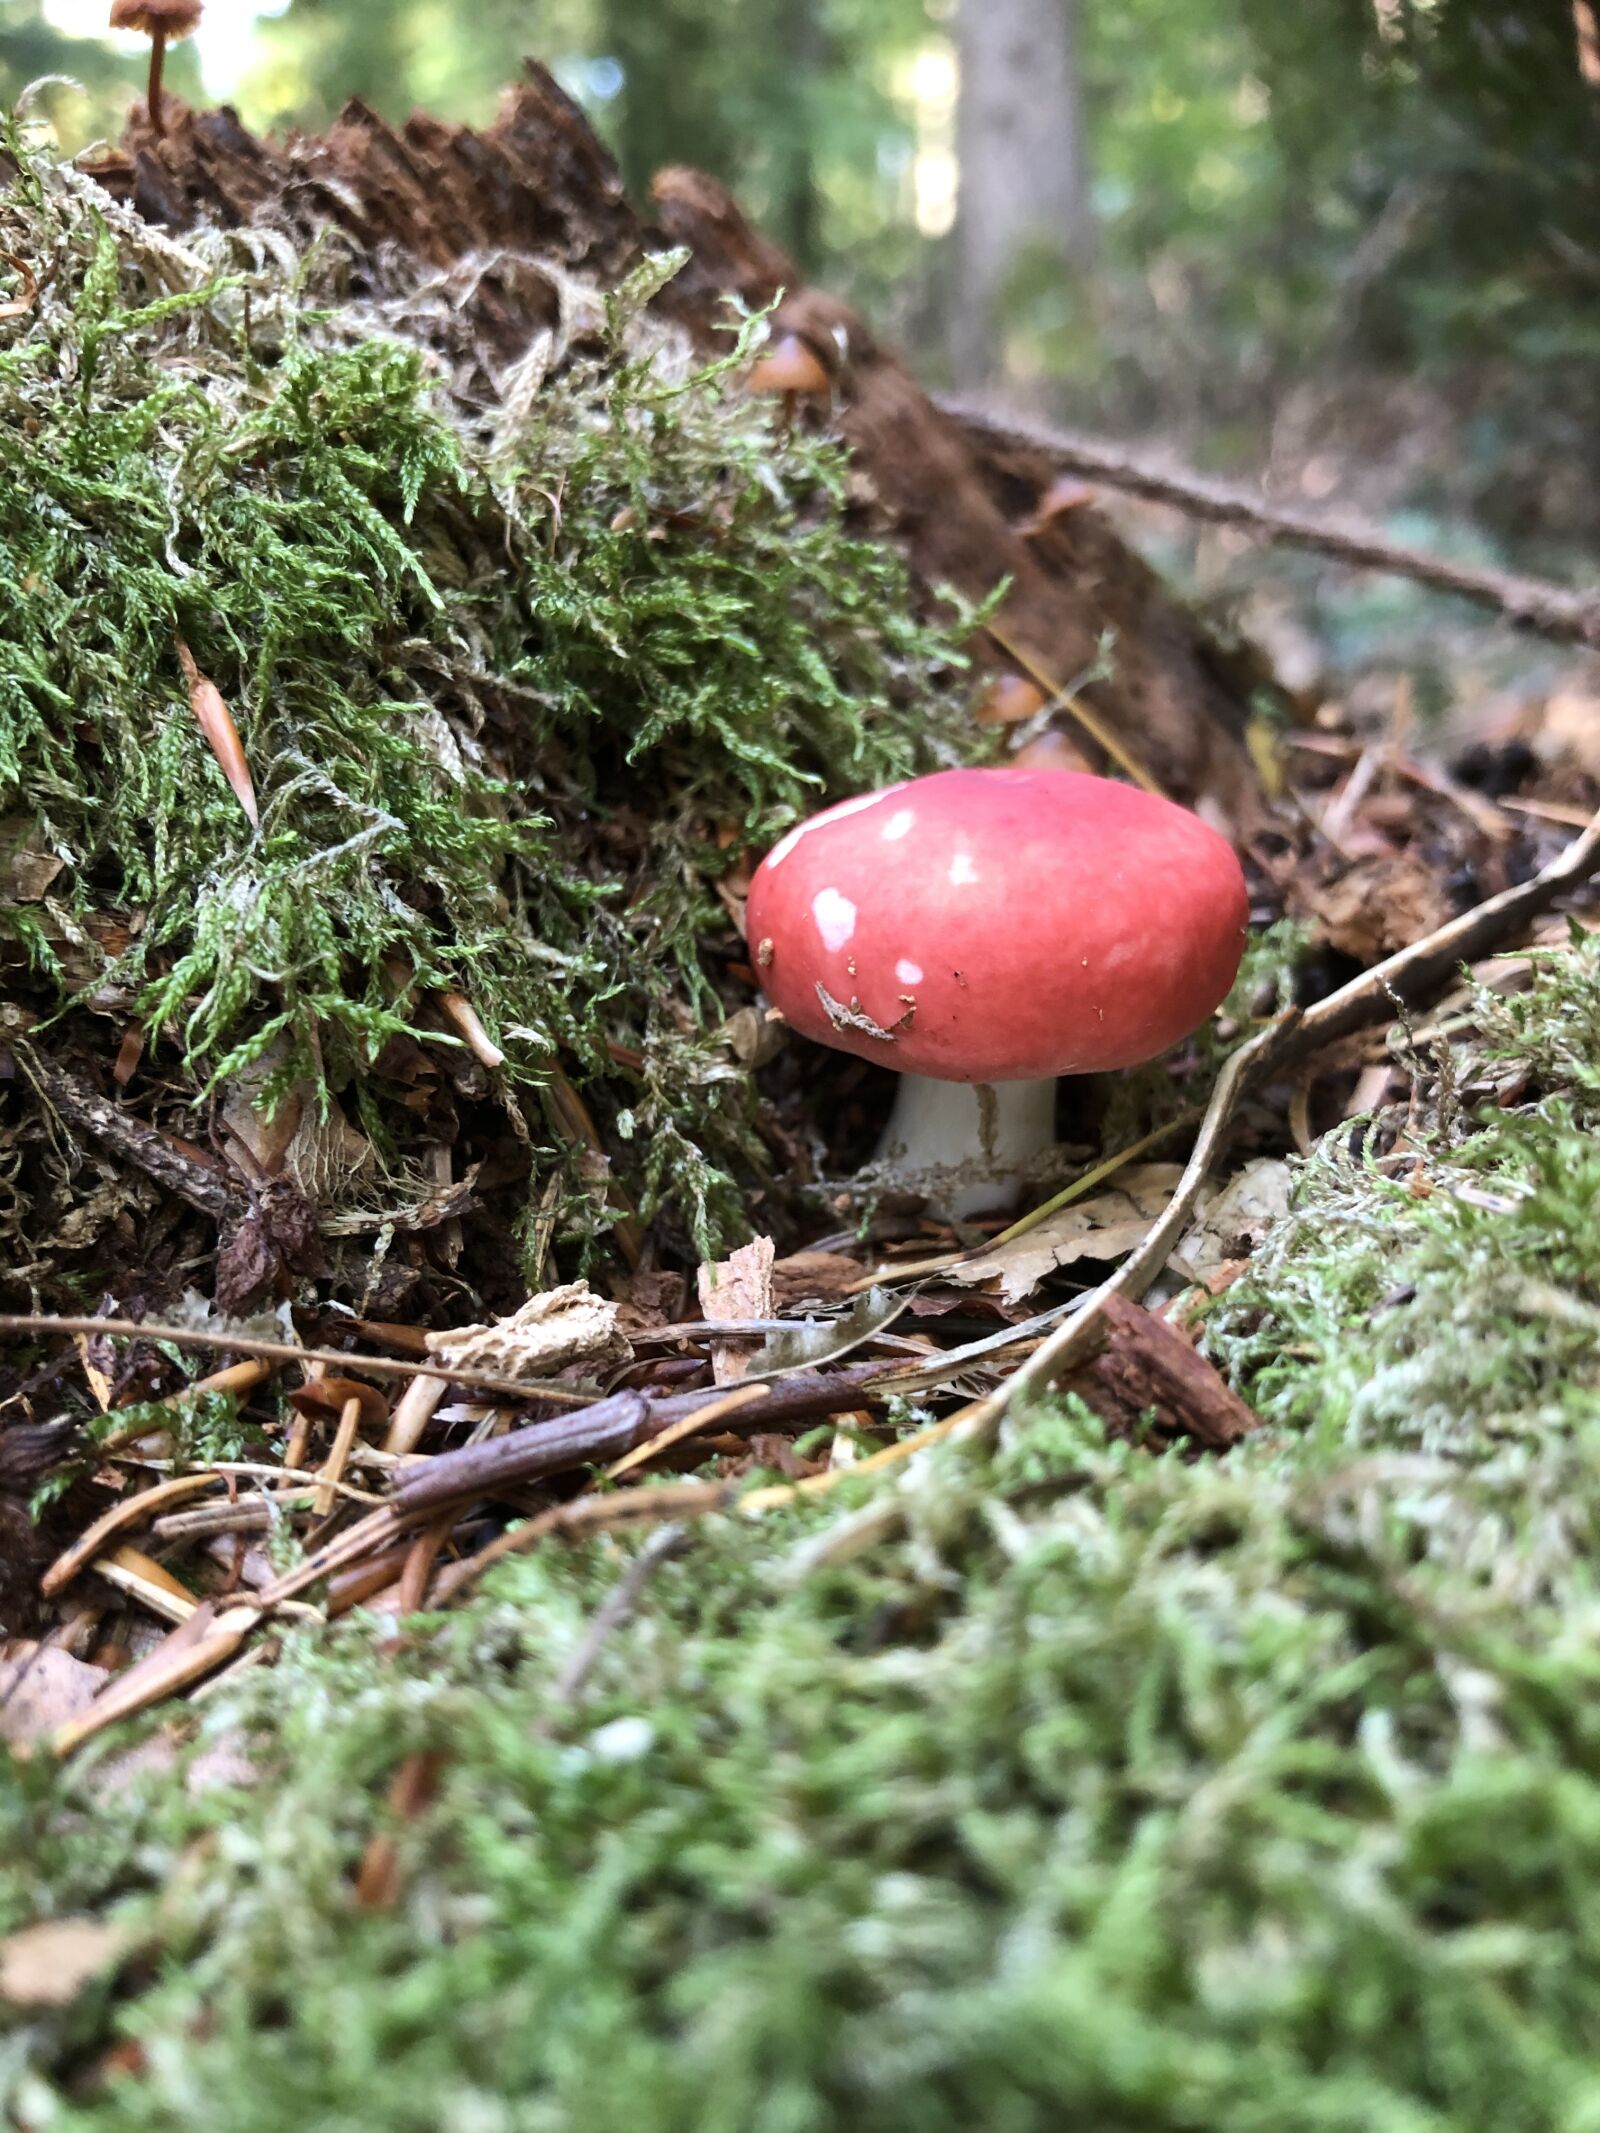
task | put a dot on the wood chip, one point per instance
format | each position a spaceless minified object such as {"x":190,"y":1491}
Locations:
{"x":738,"y":1287}
{"x":560,"y":1326}
{"x":1144,"y":1368}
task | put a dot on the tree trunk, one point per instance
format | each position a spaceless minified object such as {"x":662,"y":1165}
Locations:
{"x":1023,"y":167}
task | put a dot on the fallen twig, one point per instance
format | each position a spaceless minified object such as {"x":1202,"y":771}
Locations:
{"x":610,"y":1428}
{"x":1412,"y":971}
{"x":616,"y":1608}
{"x":1066,"y":698}
{"x":529,"y":1391}
{"x":142,"y":1147}
{"x":1530,"y":604}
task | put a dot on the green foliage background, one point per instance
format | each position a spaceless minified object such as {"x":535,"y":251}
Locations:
{"x":1404,"y":190}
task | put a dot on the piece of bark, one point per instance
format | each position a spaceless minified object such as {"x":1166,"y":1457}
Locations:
{"x":737,"y":1287}
{"x":553,"y":1329}
{"x":1144,"y":1366}
{"x":195,"y":1180}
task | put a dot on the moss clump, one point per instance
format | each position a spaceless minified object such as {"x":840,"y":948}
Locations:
{"x":515,"y":683}
{"x":1448,"y":1298}
{"x":1119,"y":1791}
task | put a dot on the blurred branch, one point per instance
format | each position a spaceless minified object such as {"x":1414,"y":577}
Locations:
{"x":1530,"y":604}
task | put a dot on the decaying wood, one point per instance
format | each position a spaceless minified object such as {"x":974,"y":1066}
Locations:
{"x":498,"y":213}
{"x":1144,"y":1368}
{"x":1072,"y":583}
{"x":535,"y":185}
{"x":193,"y":1179}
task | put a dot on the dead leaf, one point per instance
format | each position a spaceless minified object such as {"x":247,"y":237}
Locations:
{"x":1235,"y":1217}
{"x":813,"y":1277}
{"x":1108,"y":1226}
{"x":27,"y":865}
{"x":811,"y":1342}
{"x":215,"y":721}
{"x":49,"y":1964}
{"x":308,"y":1137}
{"x":277,"y":1234}
{"x":101,"y":1385}
{"x":752,"y":1039}
{"x":1376,"y":905}
{"x":737,"y":1287}
{"x":560,"y":1326}
{"x":41,"y":1687}
{"x":20,"y":305}
{"x":654,"y":1299}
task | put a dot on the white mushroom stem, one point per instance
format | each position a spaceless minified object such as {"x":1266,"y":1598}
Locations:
{"x":970,"y":1142}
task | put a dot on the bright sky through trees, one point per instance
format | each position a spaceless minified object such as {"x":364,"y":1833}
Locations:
{"x":225,"y":43}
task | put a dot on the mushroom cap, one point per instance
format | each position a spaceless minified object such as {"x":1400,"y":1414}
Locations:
{"x":327,"y":1396}
{"x":174,"y":18}
{"x":999,"y":925}
{"x":789,"y":366}
{"x":1008,"y":700}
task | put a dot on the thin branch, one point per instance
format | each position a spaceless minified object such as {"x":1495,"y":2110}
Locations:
{"x":528,"y":1390}
{"x":141,"y":1147}
{"x":1531,"y":604}
{"x":615,"y":1609}
{"x":612,"y":1427}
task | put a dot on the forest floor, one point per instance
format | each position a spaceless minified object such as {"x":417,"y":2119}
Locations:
{"x":1258,"y":1790}
{"x":978,"y":1755}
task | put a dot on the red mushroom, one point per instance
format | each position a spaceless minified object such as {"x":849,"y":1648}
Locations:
{"x":984,"y":931}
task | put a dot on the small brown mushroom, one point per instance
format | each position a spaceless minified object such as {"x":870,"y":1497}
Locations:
{"x":791,"y":368}
{"x":1008,"y":700}
{"x":327,"y":1396}
{"x":164,"y":22}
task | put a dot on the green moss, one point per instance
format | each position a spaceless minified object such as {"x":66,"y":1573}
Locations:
{"x":502,"y":678}
{"x":1450,"y":1298}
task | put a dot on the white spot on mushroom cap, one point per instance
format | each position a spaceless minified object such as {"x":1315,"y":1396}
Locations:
{"x":907,"y":972}
{"x":962,"y":871}
{"x":898,"y":825}
{"x":835,"y":915}
{"x":786,"y":843}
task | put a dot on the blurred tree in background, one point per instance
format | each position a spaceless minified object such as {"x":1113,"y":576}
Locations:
{"x":1376,"y":221}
